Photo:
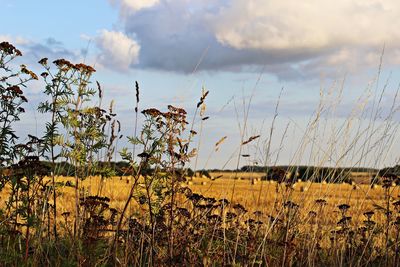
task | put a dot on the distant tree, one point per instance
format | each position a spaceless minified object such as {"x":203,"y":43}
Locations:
{"x":190,"y":172}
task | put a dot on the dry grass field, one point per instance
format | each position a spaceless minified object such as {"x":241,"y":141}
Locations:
{"x":246,"y":189}
{"x":262,"y":195}
{"x":264,"y":198}
{"x":250,"y":191}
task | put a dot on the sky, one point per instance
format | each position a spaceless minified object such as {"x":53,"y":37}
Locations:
{"x":246,"y":53}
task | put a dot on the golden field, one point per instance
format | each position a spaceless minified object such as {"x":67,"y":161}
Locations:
{"x":246,"y":189}
{"x":255,"y":195}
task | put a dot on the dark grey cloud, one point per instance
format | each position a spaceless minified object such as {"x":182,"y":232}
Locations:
{"x":50,"y":47}
{"x":53,"y":42}
{"x":36,"y":51}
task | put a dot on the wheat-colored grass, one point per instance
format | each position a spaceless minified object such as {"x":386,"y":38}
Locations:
{"x":361,"y":197}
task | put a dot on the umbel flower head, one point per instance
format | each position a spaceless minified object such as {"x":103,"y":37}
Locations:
{"x":9,"y":49}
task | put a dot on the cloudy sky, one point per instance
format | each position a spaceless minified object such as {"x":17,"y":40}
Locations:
{"x":243,"y":51}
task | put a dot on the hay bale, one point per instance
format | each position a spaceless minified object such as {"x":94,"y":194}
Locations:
{"x":190,"y":183}
{"x":253,"y":181}
{"x":203,"y":183}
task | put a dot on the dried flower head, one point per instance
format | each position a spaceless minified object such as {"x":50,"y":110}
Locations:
{"x":29,"y":72}
{"x":344,"y":220}
{"x":343,"y":207}
{"x":43,"y":61}
{"x":66,"y":214}
{"x":152,"y":112}
{"x":321,"y":202}
{"x":44,"y":74}
{"x":63,"y":64}
{"x":291,"y":205}
{"x":85,"y":69}
{"x":369,"y":214}
{"x":176,"y":110}
{"x":9,"y":49}
{"x":15,"y":89}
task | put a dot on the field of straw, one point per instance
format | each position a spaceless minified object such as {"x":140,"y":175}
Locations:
{"x":252,"y":193}
{"x":317,"y":205}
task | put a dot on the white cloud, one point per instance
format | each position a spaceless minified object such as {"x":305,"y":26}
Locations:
{"x":118,"y":51}
{"x":139,"y":4}
{"x":15,"y":40}
{"x":308,"y":24}
{"x":131,"y":6}
{"x":293,"y":39}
